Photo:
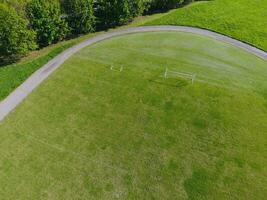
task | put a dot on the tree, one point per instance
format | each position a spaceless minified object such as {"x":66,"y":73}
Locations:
{"x":163,"y":5}
{"x":79,"y":15}
{"x":45,"y":18}
{"x":15,"y":38}
{"x":111,"y":13}
{"x":18,"y":5}
{"x":137,"y":7}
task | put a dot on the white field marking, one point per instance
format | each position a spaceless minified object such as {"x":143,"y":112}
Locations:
{"x":180,"y":74}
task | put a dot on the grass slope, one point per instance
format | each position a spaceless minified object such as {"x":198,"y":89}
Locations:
{"x":242,"y":19}
{"x":92,"y":133}
{"x":11,"y":76}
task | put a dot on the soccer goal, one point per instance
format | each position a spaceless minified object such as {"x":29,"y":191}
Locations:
{"x":171,"y":73}
{"x":120,"y":69}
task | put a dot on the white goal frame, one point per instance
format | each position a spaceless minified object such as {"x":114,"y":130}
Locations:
{"x":118,"y":70}
{"x":192,"y":77}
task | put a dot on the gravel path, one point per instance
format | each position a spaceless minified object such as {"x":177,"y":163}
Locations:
{"x":18,"y":95}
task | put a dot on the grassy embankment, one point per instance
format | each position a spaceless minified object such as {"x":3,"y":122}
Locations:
{"x":89,"y":132}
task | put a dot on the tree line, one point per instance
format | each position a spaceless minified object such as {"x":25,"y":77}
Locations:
{"x":26,"y":25}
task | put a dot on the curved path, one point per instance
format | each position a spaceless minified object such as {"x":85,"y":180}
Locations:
{"x":17,"y":96}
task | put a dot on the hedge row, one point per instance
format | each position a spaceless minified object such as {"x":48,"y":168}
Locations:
{"x":29,"y":24}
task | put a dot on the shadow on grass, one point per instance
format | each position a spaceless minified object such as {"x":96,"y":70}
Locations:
{"x":170,"y":81}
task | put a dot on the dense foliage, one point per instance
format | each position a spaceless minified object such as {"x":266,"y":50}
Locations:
{"x":18,"y":5}
{"x":112,"y":13}
{"x":79,"y":15}
{"x":137,"y":7}
{"x":15,"y":38}
{"x":45,"y":19}
{"x":53,"y":20}
{"x":159,"y":5}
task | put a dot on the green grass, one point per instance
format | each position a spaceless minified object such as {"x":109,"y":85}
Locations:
{"x":242,"y":19}
{"x":92,"y":133}
{"x":11,"y":76}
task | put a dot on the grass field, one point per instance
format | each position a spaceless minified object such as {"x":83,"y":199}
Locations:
{"x":242,"y":19}
{"x":13,"y":75}
{"x":89,"y":132}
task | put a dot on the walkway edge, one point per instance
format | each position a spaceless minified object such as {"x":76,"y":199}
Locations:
{"x":19,"y":94}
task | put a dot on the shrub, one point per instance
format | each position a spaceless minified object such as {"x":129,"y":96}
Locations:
{"x":111,"y":13}
{"x":15,"y":38}
{"x":45,"y":18}
{"x":18,"y":5}
{"x":163,"y":5}
{"x":136,"y":7}
{"x":79,"y":15}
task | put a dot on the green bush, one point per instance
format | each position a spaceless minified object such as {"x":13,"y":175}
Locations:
{"x":136,"y":7}
{"x":79,"y":15}
{"x":18,"y":5}
{"x":111,"y":13}
{"x":49,"y":25}
{"x":15,"y":38}
{"x":163,"y":5}
{"x":45,"y":18}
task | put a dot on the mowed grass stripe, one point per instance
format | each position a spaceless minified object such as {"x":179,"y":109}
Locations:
{"x":92,"y":133}
{"x":241,"y":19}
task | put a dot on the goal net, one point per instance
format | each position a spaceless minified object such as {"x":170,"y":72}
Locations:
{"x":171,"y":73}
{"x":118,"y":69}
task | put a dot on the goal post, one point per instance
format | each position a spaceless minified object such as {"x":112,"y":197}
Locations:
{"x":172,"y":73}
{"x":116,"y":68}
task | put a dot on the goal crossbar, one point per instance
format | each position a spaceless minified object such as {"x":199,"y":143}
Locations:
{"x":180,"y":74}
{"x":114,"y":69}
